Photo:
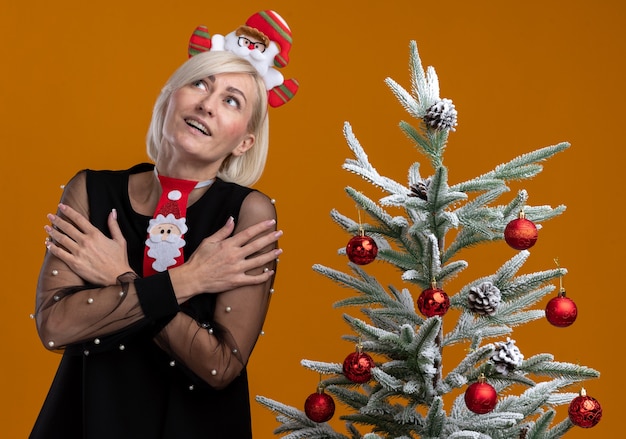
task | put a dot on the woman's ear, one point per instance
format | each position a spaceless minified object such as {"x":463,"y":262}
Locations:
{"x":246,"y":143}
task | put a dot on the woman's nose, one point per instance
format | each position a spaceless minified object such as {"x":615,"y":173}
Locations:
{"x":207,"y":105}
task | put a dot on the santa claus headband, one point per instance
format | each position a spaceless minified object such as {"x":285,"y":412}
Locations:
{"x":264,"y":41}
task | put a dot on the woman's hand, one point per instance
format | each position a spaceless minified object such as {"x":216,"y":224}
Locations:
{"x":85,"y":249}
{"x":221,"y":263}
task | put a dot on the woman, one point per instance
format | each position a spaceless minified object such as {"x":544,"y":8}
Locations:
{"x":153,"y":352}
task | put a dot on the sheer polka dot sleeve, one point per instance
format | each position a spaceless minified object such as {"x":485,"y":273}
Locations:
{"x":69,"y":310}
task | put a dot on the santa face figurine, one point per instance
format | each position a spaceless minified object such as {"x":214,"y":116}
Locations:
{"x":255,"y":47}
{"x":264,"y":41}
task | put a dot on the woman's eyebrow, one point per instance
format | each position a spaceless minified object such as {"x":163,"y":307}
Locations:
{"x":237,"y":91}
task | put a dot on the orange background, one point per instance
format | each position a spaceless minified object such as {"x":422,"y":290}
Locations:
{"x":79,"y":80}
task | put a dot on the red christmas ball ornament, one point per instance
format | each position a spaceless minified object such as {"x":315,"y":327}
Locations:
{"x":521,"y":234}
{"x":433,"y":302}
{"x":361,"y":249}
{"x":319,"y":406}
{"x":357,"y":367}
{"x":561,"y":311}
{"x":584,"y":410}
{"x":481,"y":397}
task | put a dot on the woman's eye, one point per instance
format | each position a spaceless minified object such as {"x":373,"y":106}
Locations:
{"x":199,"y":84}
{"x":232,"y":101}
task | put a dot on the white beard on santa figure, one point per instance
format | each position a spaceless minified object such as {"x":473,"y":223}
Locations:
{"x":165,"y":241}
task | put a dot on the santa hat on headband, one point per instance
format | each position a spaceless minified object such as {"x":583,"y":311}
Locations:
{"x":275,"y":28}
{"x":270,"y":25}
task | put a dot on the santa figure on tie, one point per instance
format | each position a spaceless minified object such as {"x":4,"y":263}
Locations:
{"x":165,"y":234}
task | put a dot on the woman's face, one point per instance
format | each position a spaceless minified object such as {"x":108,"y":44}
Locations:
{"x":207,"y":120}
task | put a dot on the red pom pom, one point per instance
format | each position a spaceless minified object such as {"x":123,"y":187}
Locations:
{"x":521,"y":234}
{"x":561,"y":311}
{"x":319,"y":406}
{"x":357,"y":367}
{"x":361,"y":250}
{"x":433,"y":302}
{"x":585,"y":411}
{"x":481,"y":398}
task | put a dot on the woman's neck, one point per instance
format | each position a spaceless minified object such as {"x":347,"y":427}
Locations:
{"x":199,"y":185}
{"x":144,"y":190}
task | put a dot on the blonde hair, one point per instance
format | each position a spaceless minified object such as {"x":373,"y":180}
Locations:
{"x":245,"y":169}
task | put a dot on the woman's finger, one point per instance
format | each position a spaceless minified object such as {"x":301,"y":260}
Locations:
{"x":114,"y":227}
{"x":60,"y":238}
{"x":76,"y":218}
{"x":256,"y":279}
{"x":224,"y":232}
{"x":263,"y":241}
{"x":58,"y":250}
{"x":59,"y":224}
{"x":262,"y":259}
{"x":241,"y":238}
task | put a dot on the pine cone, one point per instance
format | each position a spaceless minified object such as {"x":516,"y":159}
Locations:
{"x":420,"y":189}
{"x":484,"y":299}
{"x":441,"y":115}
{"x":507,"y":356}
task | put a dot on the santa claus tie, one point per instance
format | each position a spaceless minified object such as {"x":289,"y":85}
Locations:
{"x":164,"y":246}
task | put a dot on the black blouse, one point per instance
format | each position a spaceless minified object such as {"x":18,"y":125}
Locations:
{"x":116,"y":381}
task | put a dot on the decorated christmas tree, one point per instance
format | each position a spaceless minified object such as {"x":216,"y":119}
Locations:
{"x":393,"y":384}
